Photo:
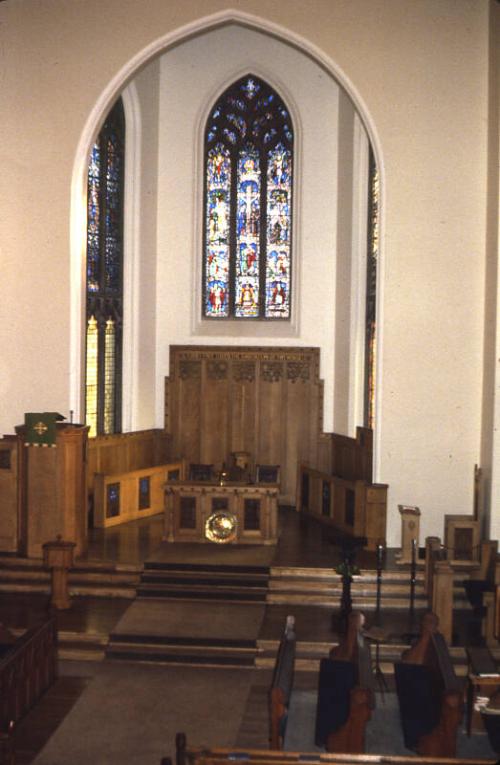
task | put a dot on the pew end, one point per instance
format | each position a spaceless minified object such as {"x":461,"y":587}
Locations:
{"x":346,"y":694}
{"x":281,"y":686}
{"x":431,"y":698}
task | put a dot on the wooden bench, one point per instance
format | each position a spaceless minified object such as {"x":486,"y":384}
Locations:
{"x":429,"y":693}
{"x":281,"y":686}
{"x":27,"y":671}
{"x":345,"y":692}
{"x":216,"y":756}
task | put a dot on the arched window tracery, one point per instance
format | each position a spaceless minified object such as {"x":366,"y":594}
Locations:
{"x":247,"y":255}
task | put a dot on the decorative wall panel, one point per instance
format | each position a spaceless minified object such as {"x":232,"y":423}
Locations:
{"x":267,"y":401}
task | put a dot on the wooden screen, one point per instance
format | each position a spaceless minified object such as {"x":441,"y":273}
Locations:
{"x":266,"y":401}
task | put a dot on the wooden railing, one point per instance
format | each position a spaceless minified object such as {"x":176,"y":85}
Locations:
{"x":27,"y":671}
{"x":354,"y":507}
{"x":135,"y":494}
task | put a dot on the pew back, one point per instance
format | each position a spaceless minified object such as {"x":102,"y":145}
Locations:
{"x":345,"y":692}
{"x":281,"y":689}
{"x":429,"y":693}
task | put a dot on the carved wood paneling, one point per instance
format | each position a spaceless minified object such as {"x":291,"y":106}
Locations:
{"x":264,"y":400}
{"x":121,"y":452}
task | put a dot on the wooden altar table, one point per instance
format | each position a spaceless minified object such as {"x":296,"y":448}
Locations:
{"x":251,"y":512}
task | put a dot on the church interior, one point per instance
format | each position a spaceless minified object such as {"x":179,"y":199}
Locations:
{"x":250,"y":451}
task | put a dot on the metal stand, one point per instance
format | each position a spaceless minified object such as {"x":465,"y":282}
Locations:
{"x":380,"y":564}
{"x":346,"y":570}
{"x":376,"y":635}
{"x":413,"y":631}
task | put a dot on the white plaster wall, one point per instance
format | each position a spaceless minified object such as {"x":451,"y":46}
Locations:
{"x":188,"y":91}
{"x":490,"y":452}
{"x":140,"y":310}
{"x":419,"y":71}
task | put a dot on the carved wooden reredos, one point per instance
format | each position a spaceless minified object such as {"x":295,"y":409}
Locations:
{"x":267,"y":401}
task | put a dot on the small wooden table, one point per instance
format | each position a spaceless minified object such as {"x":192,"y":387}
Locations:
{"x":483,"y":680}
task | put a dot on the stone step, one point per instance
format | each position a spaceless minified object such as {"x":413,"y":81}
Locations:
{"x":359,"y":601}
{"x":209,"y":568}
{"x":82,"y":646}
{"x":185,"y":651}
{"x":195,"y":578}
{"x":329,"y":573}
{"x":75,"y":578}
{"x":357,"y":586}
{"x":202,"y":582}
{"x":199,"y":592}
{"x":26,"y":575}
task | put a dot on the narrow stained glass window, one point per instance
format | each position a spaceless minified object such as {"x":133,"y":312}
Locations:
{"x":248,"y":205}
{"x":371,"y":293}
{"x":91,"y":382}
{"x":105,"y":276}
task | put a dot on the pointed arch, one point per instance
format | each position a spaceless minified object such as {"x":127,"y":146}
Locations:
{"x":248,"y":204}
{"x":108,"y":95}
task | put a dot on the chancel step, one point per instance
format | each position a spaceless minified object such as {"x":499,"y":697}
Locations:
{"x":81,"y":646}
{"x":182,"y":650}
{"x":101,"y":580}
{"x":323,"y":587}
{"x":204,"y":582}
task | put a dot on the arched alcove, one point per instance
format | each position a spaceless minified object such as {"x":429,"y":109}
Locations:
{"x":164,"y":230}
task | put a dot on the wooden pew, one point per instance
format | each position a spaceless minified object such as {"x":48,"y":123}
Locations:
{"x":216,"y":756}
{"x":7,"y":755}
{"x":430,"y":695}
{"x":27,"y":671}
{"x":281,"y":686}
{"x":345,"y":693}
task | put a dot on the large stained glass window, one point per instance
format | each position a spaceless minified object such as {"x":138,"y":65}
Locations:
{"x":105,"y":276}
{"x":371,"y":292}
{"x":248,"y":205}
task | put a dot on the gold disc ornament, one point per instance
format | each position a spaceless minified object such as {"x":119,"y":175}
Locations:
{"x":221,"y":527}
